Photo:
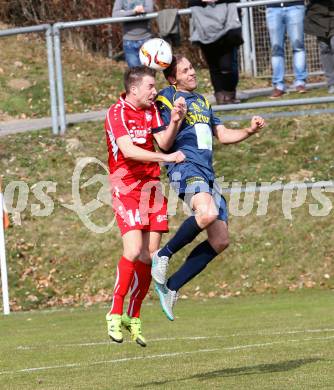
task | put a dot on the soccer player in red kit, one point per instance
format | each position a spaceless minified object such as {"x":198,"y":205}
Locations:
{"x":139,"y":205}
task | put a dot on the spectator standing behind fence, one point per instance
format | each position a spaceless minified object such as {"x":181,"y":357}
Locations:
{"x":216,"y":27}
{"x":134,"y":33}
{"x":282,"y":18}
{"x":319,"y":21}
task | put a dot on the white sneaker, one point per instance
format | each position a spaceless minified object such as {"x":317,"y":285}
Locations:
{"x":159,"y":268}
{"x":167,"y":298}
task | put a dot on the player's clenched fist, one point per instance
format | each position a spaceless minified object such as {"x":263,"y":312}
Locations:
{"x":179,"y":110}
{"x":257,"y":123}
{"x":176,"y":157}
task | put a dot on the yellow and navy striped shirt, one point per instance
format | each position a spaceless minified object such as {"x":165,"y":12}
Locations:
{"x":195,"y":135}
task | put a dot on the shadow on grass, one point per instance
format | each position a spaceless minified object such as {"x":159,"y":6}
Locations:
{"x":248,"y":370}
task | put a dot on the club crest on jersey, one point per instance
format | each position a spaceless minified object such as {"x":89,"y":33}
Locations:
{"x":148,"y":115}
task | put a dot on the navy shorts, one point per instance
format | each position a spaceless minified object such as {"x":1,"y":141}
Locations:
{"x":188,"y":179}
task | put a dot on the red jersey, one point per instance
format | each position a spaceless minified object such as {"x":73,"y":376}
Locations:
{"x":125,"y":119}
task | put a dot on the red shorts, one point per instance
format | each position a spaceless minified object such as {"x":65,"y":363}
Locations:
{"x":141,"y":209}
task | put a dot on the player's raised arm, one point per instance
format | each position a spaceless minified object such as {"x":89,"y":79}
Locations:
{"x":133,"y":152}
{"x":165,"y":138}
{"x":231,"y":136}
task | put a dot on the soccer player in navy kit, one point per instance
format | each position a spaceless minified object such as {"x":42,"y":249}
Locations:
{"x":194,"y":181}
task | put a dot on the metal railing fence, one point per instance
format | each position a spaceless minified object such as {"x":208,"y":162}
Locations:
{"x":250,"y":55}
{"x":57,"y":27}
{"x":47,"y":28}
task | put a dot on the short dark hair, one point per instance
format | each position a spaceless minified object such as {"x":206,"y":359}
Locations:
{"x":171,"y":70}
{"x":135,"y":75}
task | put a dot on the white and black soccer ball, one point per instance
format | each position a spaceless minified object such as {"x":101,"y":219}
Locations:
{"x":156,"y":54}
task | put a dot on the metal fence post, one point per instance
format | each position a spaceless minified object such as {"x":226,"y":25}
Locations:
{"x":52,"y":82}
{"x":110,"y":41}
{"x":47,"y":28}
{"x":247,"y":51}
{"x":252,"y":40}
{"x":59,"y":75}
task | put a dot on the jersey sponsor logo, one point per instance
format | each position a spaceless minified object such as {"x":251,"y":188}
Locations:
{"x":140,"y":133}
{"x":192,"y":118}
{"x":203,"y":103}
{"x":161,"y":218}
{"x":196,"y":114}
{"x":138,"y":136}
{"x":139,"y":140}
{"x":196,"y":107}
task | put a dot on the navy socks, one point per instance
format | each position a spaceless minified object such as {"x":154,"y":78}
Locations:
{"x":186,"y":233}
{"x":198,"y":259}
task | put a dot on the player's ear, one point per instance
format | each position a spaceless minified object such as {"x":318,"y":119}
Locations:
{"x":172,"y":80}
{"x":133,"y":89}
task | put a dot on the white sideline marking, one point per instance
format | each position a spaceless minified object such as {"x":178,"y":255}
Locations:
{"x":260,"y":333}
{"x":71,"y":365}
{"x":167,"y":355}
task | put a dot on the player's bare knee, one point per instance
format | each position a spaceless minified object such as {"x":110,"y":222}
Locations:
{"x":132,"y":254}
{"x":219,"y":244}
{"x":205,"y":220}
{"x":146,"y":257}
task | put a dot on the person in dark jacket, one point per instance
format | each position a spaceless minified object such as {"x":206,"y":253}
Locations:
{"x":222,"y":59}
{"x":319,"y":21}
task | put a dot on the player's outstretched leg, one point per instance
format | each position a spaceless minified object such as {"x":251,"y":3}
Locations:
{"x":167,"y":298}
{"x":159,"y":267}
{"x":133,"y":325}
{"x":114,"y":326}
{"x":125,"y":272}
{"x":186,"y":233}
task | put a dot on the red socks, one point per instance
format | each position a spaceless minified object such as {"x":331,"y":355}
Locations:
{"x":138,"y":275}
{"x":124,"y":277}
{"x":139,"y":287}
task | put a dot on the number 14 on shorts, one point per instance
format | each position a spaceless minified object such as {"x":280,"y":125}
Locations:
{"x":133,"y":218}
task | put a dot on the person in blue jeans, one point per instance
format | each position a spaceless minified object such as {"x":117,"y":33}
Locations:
{"x":287,"y":18}
{"x":135,"y":33}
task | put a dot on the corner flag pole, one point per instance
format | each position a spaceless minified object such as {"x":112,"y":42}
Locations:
{"x":4,"y":279}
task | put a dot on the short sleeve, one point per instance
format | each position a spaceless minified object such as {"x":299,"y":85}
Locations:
{"x":115,"y":121}
{"x":157,"y":122}
{"x":164,"y":107}
{"x":214,"y":119}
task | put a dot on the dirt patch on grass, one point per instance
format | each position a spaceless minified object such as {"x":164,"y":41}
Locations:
{"x":19,"y":84}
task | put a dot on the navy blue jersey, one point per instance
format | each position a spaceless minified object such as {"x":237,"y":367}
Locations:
{"x":195,"y":136}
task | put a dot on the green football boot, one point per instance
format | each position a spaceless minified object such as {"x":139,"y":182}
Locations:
{"x":133,"y":325}
{"x":114,"y":326}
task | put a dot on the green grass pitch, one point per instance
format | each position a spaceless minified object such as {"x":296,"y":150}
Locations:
{"x":283,"y":341}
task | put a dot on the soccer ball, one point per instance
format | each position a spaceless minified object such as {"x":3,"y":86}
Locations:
{"x":156,"y":54}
